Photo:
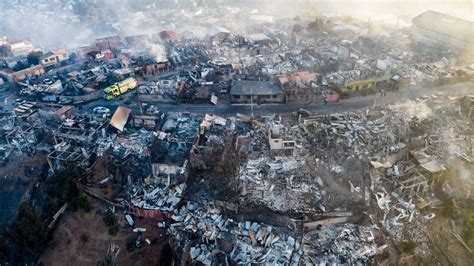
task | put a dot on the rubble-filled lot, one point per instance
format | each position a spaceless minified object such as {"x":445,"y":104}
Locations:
{"x":357,"y":187}
{"x":96,"y":172}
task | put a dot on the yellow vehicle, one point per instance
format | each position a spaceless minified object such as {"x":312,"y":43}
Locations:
{"x":120,"y":88}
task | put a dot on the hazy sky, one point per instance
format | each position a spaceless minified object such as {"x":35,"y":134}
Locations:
{"x":46,"y":27}
{"x":408,"y":8}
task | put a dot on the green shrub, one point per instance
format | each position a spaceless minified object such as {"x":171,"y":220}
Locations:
{"x":131,"y":246}
{"x":28,"y":232}
{"x":109,"y":218}
{"x":84,"y":238}
{"x":83,"y":203}
{"x":113,"y":230}
{"x":469,"y":229}
{"x":406,"y":247}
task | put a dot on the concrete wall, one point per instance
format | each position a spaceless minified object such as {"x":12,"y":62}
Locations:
{"x":84,"y":98}
{"x":154,"y":98}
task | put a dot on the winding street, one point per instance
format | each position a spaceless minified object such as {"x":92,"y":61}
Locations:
{"x":352,"y":104}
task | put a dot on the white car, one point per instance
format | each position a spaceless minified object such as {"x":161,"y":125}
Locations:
{"x":48,"y":81}
{"x":101,"y":110}
{"x":19,"y":101}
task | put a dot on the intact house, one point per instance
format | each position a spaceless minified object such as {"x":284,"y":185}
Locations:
{"x":51,"y":59}
{"x":244,"y":91}
{"x":21,"y":47}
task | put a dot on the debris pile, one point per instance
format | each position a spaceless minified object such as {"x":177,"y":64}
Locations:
{"x":340,"y":244}
{"x":243,"y":242}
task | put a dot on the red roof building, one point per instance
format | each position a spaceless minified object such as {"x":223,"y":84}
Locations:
{"x":169,"y":35}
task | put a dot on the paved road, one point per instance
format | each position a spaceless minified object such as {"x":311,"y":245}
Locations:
{"x":352,"y":104}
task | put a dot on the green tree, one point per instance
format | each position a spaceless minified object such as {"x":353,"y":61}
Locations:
{"x":110,"y":220}
{"x":61,"y":188}
{"x":4,"y":252}
{"x":28,"y":232}
{"x":83,"y":203}
{"x":20,"y":65}
{"x":469,"y":229}
{"x":84,"y":238}
{"x":407,"y":247}
{"x":34,"y":57}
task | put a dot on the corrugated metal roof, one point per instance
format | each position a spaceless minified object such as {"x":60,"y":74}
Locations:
{"x":120,"y":117}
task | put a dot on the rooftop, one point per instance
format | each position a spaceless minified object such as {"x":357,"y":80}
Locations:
{"x":246,"y":87}
{"x":457,"y":28}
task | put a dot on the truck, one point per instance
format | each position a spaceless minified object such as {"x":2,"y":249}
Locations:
{"x":120,"y":88}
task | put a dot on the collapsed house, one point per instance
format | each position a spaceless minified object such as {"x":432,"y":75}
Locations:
{"x":171,"y":147}
{"x":299,"y":185}
{"x":80,"y":129}
{"x":210,"y":142}
{"x":299,"y":87}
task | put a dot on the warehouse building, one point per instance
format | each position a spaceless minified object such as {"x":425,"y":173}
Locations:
{"x":437,"y":28}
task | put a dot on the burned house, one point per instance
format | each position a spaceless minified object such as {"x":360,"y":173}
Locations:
{"x":299,"y":87}
{"x":350,"y":32}
{"x":154,"y":67}
{"x":82,"y":129}
{"x":137,"y":41}
{"x":210,"y":142}
{"x":279,"y":141}
{"x":218,"y":34}
{"x":169,"y":35}
{"x":66,"y":153}
{"x":65,"y":112}
{"x":23,"y":138}
{"x":32,"y":72}
{"x":256,"y":92}
{"x":161,"y":91}
{"x":260,"y":44}
{"x":11,"y":61}
{"x":25,"y":110}
{"x":171,"y":146}
{"x":123,"y":73}
{"x":109,"y":43}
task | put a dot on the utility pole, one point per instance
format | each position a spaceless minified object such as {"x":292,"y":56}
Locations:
{"x":375,"y":99}
{"x":251,"y":102}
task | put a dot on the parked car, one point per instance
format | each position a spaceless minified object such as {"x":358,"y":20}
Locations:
{"x":48,"y":81}
{"x":19,"y":101}
{"x":101,"y":110}
{"x":65,"y":101}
